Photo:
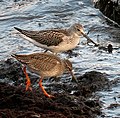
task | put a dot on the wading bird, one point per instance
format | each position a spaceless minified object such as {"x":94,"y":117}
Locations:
{"x":46,"y":65}
{"x":55,"y":40}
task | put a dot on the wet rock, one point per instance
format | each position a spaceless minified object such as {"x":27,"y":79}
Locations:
{"x":110,"y":48}
{"x":94,"y":81}
{"x":11,"y":72}
{"x":10,"y":69}
{"x":15,"y":102}
{"x":110,"y":8}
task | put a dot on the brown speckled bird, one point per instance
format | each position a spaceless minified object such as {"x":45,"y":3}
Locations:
{"x":46,"y":65}
{"x":55,"y":40}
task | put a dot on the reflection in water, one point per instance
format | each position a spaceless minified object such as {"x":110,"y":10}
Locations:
{"x":45,"y":14}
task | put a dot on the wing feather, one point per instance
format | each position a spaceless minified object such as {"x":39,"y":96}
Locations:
{"x":45,"y":37}
{"x":39,"y":61}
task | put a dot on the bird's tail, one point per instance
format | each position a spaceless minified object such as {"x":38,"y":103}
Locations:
{"x":20,"y":58}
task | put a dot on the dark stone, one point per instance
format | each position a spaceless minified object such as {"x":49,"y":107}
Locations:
{"x":110,"y":48}
{"x":10,"y":69}
{"x":110,"y":8}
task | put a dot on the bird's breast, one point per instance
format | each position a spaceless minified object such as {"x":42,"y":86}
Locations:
{"x":66,"y":44}
{"x":56,"y":71}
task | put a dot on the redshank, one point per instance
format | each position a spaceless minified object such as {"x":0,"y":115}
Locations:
{"x":46,"y":65}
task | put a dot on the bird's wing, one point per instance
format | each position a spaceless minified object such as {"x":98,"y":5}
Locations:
{"x":38,"y":61}
{"x":45,"y":37}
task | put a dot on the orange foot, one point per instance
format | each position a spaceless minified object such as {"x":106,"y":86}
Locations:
{"x":44,"y":91}
{"x":28,"y":82}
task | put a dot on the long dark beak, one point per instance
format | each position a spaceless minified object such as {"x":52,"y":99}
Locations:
{"x":73,"y":76}
{"x":85,"y":35}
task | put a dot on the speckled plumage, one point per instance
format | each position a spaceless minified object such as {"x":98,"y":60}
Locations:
{"x":57,"y":40}
{"x":45,"y":64}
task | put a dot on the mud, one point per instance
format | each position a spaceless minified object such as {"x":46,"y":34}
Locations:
{"x":71,"y":100}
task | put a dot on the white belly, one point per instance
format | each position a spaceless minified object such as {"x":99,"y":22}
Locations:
{"x":65,"y":46}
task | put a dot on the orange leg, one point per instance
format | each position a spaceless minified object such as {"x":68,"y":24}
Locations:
{"x":28,"y":83}
{"x":44,"y":91}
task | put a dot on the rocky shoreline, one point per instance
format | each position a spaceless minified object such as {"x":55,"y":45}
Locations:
{"x":110,"y":8}
{"x":72,"y":102}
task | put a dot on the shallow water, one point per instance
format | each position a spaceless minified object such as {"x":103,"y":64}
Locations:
{"x":45,"y":14}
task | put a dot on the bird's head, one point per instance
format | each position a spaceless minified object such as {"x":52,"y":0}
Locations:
{"x":77,"y":29}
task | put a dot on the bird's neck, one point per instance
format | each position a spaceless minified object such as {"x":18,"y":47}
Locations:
{"x":70,"y":30}
{"x":72,"y":33}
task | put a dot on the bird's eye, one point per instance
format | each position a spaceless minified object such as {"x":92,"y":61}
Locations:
{"x":78,"y":29}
